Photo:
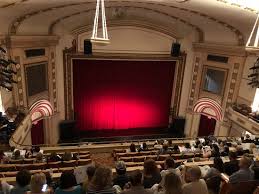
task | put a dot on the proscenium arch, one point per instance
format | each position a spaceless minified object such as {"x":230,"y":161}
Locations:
{"x":206,"y":103}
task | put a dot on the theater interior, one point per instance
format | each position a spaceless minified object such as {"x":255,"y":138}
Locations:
{"x":93,"y":77}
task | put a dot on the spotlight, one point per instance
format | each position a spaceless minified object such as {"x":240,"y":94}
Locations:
{"x":2,"y":49}
{"x":253,"y":75}
{"x":254,"y":67}
{"x":12,"y":62}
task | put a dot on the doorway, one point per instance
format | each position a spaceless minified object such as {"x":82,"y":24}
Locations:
{"x":37,"y":133}
{"x":207,"y":126}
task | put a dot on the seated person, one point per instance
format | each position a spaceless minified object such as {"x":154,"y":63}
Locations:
{"x":176,"y":149}
{"x":38,"y":184}
{"x":225,"y":151}
{"x":151,"y":174}
{"x":54,"y":157}
{"x":159,"y":144}
{"x":143,"y":147}
{"x":194,"y":182}
{"x":101,"y":182}
{"x":136,"y":184}
{"x":244,"y":173}
{"x":67,"y":156}
{"x":232,"y":166}
{"x":132,"y":147}
{"x":39,"y":158}
{"x":23,"y":179}
{"x":164,"y":150}
{"x":187,"y":148}
{"x":90,"y":173}
{"x":36,"y":150}
{"x":68,"y":184}
{"x":216,"y":170}
{"x":17,"y":155}
{"x":121,"y":177}
{"x":169,"y":165}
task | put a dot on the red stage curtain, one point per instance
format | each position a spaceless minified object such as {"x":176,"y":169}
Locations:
{"x":37,"y":133}
{"x":122,"y":94}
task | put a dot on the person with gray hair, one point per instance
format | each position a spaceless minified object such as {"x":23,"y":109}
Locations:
{"x":244,"y":173}
{"x":195,"y":183}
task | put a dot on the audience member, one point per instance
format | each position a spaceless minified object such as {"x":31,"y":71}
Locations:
{"x":196,"y":184}
{"x":53,"y":157}
{"x":151,"y":174}
{"x":68,"y":184}
{"x":232,"y":166}
{"x":52,"y":185}
{"x":159,"y":144}
{"x":164,"y":150}
{"x":35,"y":150}
{"x":216,"y":170}
{"x":28,"y":154}
{"x":172,"y":184}
{"x":23,"y":179}
{"x":136,"y":186}
{"x":101,"y":182}
{"x":17,"y":155}
{"x":38,"y":184}
{"x":143,"y":147}
{"x":132,"y":147}
{"x":90,"y":173}
{"x":225,"y":151}
{"x":187,"y":148}
{"x":169,"y":166}
{"x":67,"y":156}
{"x":121,"y":177}
{"x":176,"y":149}
{"x":244,"y":173}
{"x":39,"y":158}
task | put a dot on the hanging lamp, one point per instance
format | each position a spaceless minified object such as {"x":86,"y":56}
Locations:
{"x":253,"y":39}
{"x":96,"y":38}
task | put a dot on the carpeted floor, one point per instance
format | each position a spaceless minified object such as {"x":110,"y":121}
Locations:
{"x":103,"y":159}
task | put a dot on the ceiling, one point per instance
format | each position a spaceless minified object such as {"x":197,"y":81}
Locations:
{"x":209,"y":17}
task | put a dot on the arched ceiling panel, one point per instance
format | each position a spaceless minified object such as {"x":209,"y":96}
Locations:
{"x":193,"y":11}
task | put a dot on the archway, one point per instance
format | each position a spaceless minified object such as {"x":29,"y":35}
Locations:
{"x":39,"y":110}
{"x":211,"y":112}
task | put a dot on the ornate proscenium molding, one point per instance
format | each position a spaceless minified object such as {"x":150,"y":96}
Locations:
{"x":69,"y":55}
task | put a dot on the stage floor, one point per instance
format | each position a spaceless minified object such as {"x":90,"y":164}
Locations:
{"x":123,"y":135}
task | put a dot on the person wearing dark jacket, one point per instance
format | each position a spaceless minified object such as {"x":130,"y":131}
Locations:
{"x":232,"y":166}
{"x":121,"y":178}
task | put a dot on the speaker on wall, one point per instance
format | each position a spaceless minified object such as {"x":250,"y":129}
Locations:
{"x":177,"y":127}
{"x":87,"y":47}
{"x":176,"y":49}
{"x":67,"y":131}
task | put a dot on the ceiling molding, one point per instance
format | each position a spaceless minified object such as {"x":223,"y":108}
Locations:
{"x":200,"y":32}
{"x":17,"y":22}
{"x":13,"y":4}
{"x":132,"y":23}
{"x":220,"y":49}
{"x":33,"y":41}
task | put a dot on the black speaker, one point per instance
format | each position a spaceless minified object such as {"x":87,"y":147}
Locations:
{"x":175,"y":51}
{"x":177,"y":127}
{"x":67,"y":131}
{"x":88,"y":47}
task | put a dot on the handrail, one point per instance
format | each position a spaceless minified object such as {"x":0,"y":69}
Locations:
{"x":21,"y":132}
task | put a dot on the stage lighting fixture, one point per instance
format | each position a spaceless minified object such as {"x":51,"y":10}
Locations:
{"x":2,"y":49}
{"x":12,"y":62}
{"x":253,"y":75}
{"x":6,"y":71}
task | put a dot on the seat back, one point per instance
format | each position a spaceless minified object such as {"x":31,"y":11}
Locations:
{"x":247,"y":187}
{"x":71,"y":163}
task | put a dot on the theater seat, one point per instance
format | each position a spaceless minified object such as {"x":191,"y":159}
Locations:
{"x":83,"y":162}
{"x":71,"y":163}
{"x":240,"y":188}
